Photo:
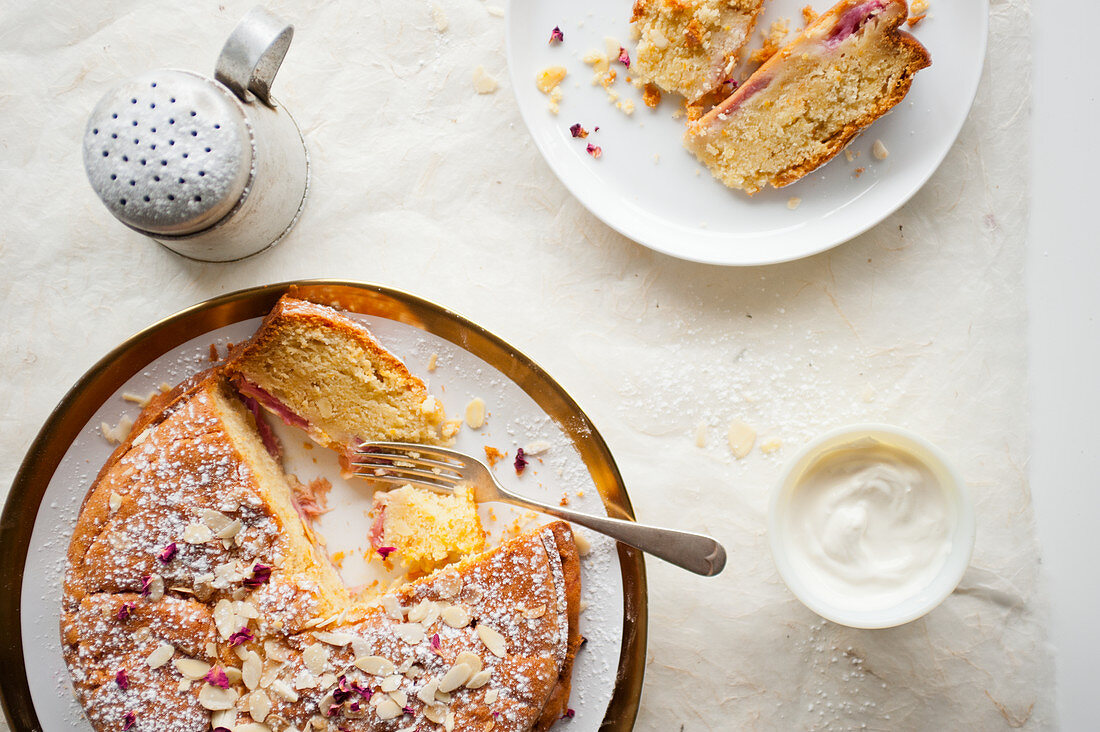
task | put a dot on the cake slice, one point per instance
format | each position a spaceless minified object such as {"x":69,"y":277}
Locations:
{"x":320,"y":370}
{"x":426,"y":530}
{"x":690,"y":47}
{"x":844,"y":71}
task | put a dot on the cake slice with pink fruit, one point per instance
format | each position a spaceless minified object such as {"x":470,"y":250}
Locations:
{"x":796,"y":112}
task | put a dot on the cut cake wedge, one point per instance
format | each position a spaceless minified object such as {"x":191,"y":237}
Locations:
{"x":797,"y":111}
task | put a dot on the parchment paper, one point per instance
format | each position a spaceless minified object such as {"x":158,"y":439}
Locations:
{"x":423,"y":184}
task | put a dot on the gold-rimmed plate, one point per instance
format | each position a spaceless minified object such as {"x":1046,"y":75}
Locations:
{"x":65,"y":456}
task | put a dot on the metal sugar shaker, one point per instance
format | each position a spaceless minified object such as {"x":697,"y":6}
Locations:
{"x":213,"y":169}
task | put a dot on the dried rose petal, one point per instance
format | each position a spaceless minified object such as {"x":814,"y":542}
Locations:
{"x":221,"y":729}
{"x":168,"y":552}
{"x":125,"y":610}
{"x":385,"y":551}
{"x":218,"y":677}
{"x":129,"y":721}
{"x":594,"y":150}
{"x":122,"y":679}
{"x":521,"y":460}
{"x":578,"y":131}
{"x":624,"y":57}
{"x":363,"y":692}
{"x":435,"y":641}
{"x":146,"y":583}
{"x":556,"y":36}
{"x":408,"y":710}
{"x":241,"y":636}
{"x":261,"y":575}
{"x":569,"y":714}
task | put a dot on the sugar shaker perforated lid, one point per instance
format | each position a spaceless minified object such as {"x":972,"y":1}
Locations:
{"x":215,"y":170}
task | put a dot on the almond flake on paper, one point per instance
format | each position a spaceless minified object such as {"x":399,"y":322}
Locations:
{"x":741,"y":438}
{"x":483,"y":82}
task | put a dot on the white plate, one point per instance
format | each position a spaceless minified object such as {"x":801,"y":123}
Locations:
{"x":672,"y":204}
{"x":515,"y":420}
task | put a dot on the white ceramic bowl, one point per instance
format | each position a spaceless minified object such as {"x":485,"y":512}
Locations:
{"x":962,"y":539}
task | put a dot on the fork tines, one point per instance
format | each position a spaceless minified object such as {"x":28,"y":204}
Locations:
{"x":400,"y":464}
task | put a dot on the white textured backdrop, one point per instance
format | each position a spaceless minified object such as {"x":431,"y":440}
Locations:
{"x":422,"y":184}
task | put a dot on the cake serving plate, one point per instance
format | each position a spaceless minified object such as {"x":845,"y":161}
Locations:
{"x":526,"y":406}
{"x":646,"y":186}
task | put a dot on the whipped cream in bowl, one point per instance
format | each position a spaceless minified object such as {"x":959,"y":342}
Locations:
{"x":870,"y":526}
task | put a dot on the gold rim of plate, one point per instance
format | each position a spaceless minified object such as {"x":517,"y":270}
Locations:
{"x":134,"y":354}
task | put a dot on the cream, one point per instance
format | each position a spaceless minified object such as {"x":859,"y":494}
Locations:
{"x":868,"y":527}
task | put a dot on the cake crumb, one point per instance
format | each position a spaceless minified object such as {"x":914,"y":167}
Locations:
{"x":564,"y":501}
{"x":917,"y":12}
{"x":439,"y":17}
{"x":493,"y":455}
{"x":773,"y":41}
{"x":651,"y":95}
{"x":433,"y":360}
{"x":793,"y":202}
{"x":495,"y":10}
{"x":879,"y":150}
{"x":338,"y":560}
{"x":858,"y":172}
{"x":770,"y":445}
{"x":598,"y":61}
{"x":214,"y":353}
{"x":809,"y":15}
{"x":483,"y":82}
{"x":741,"y":438}
{"x":848,"y":155}
{"x":549,"y":82}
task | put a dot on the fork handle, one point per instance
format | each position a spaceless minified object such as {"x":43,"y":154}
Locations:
{"x":694,"y":552}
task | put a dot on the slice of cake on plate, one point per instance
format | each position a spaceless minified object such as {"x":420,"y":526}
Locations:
{"x":425,"y":530}
{"x":691,"y":47}
{"x":320,"y":370}
{"x":797,"y":111}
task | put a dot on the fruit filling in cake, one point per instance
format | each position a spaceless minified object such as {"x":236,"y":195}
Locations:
{"x":425,"y":530}
{"x":800,"y":109}
{"x":691,"y":46}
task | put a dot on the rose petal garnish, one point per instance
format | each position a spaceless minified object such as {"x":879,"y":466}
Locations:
{"x":569,"y":714}
{"x":241,"y":636}
{"x":168,"y":552}
{"x":261,"y":575}
{"x":594,"y":150}
{"x":363,"y":692}
{"x":122,"y":679}
{"x":435,"y":641}
{"x":217,"y":677}
{"x":521,"y":460}
{"x":556,"y":36}
{"x":578,"y":131}
{"x":385,"y":551}
{"x":221,"y":729}
{"x":129,"y":721}
{"x":408,"y":710}
{"x":146,"y":582}
{"x":125,"y":610}
{"x":624,"y":57}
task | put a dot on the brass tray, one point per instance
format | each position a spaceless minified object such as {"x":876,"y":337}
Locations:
{"x":114,"y":369}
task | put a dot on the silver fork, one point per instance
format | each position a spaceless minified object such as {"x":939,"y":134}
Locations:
{"x":441,"y":469}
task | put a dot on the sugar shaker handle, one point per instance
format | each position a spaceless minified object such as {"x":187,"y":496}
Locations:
{"x":253,"y":54}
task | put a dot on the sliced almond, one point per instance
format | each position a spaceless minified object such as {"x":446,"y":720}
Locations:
{"x":191,"y":668}
{"x":215,"y":520}
{"x":532,"y":613}
{"x":160,"y":656}
{"x":393,"y":607}
{"x":475,"y":410}
{"x":741,"y":438}
{"x":455,"y":677}
{"x":391,"y":683}
{"x":282,"y":690}
{"x":233,"y":674}
{"x":400,"y":697}
{"x":455,"y":616}
{"x":156,"y":588}
{"x":491,"y":696}
{"x":114,"y":501}
{"x":584,"y":547}
{"x":375,"y":665}
{"x":470,"y":659}
{"x":426,"y":693}
{"x":388,"y":709}
{"x":224,"y":718}
{"x":215,"y":698}
{"x":230,"y":530}
{"x":251,"y":670}
{"x":448,"y":582}
{"x":411,"y":633}
{"x":259,"y":705}
{"x":493,"y":640}
{"x":435,"y":713}
{"x":315,"y":658}
{"x":478,"y":680}
{"x":197,"y":534}
{"x":251,"y":727}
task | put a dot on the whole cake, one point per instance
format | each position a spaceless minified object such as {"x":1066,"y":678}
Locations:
{"x":196,"y":598}
{"x":797,"y":111}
